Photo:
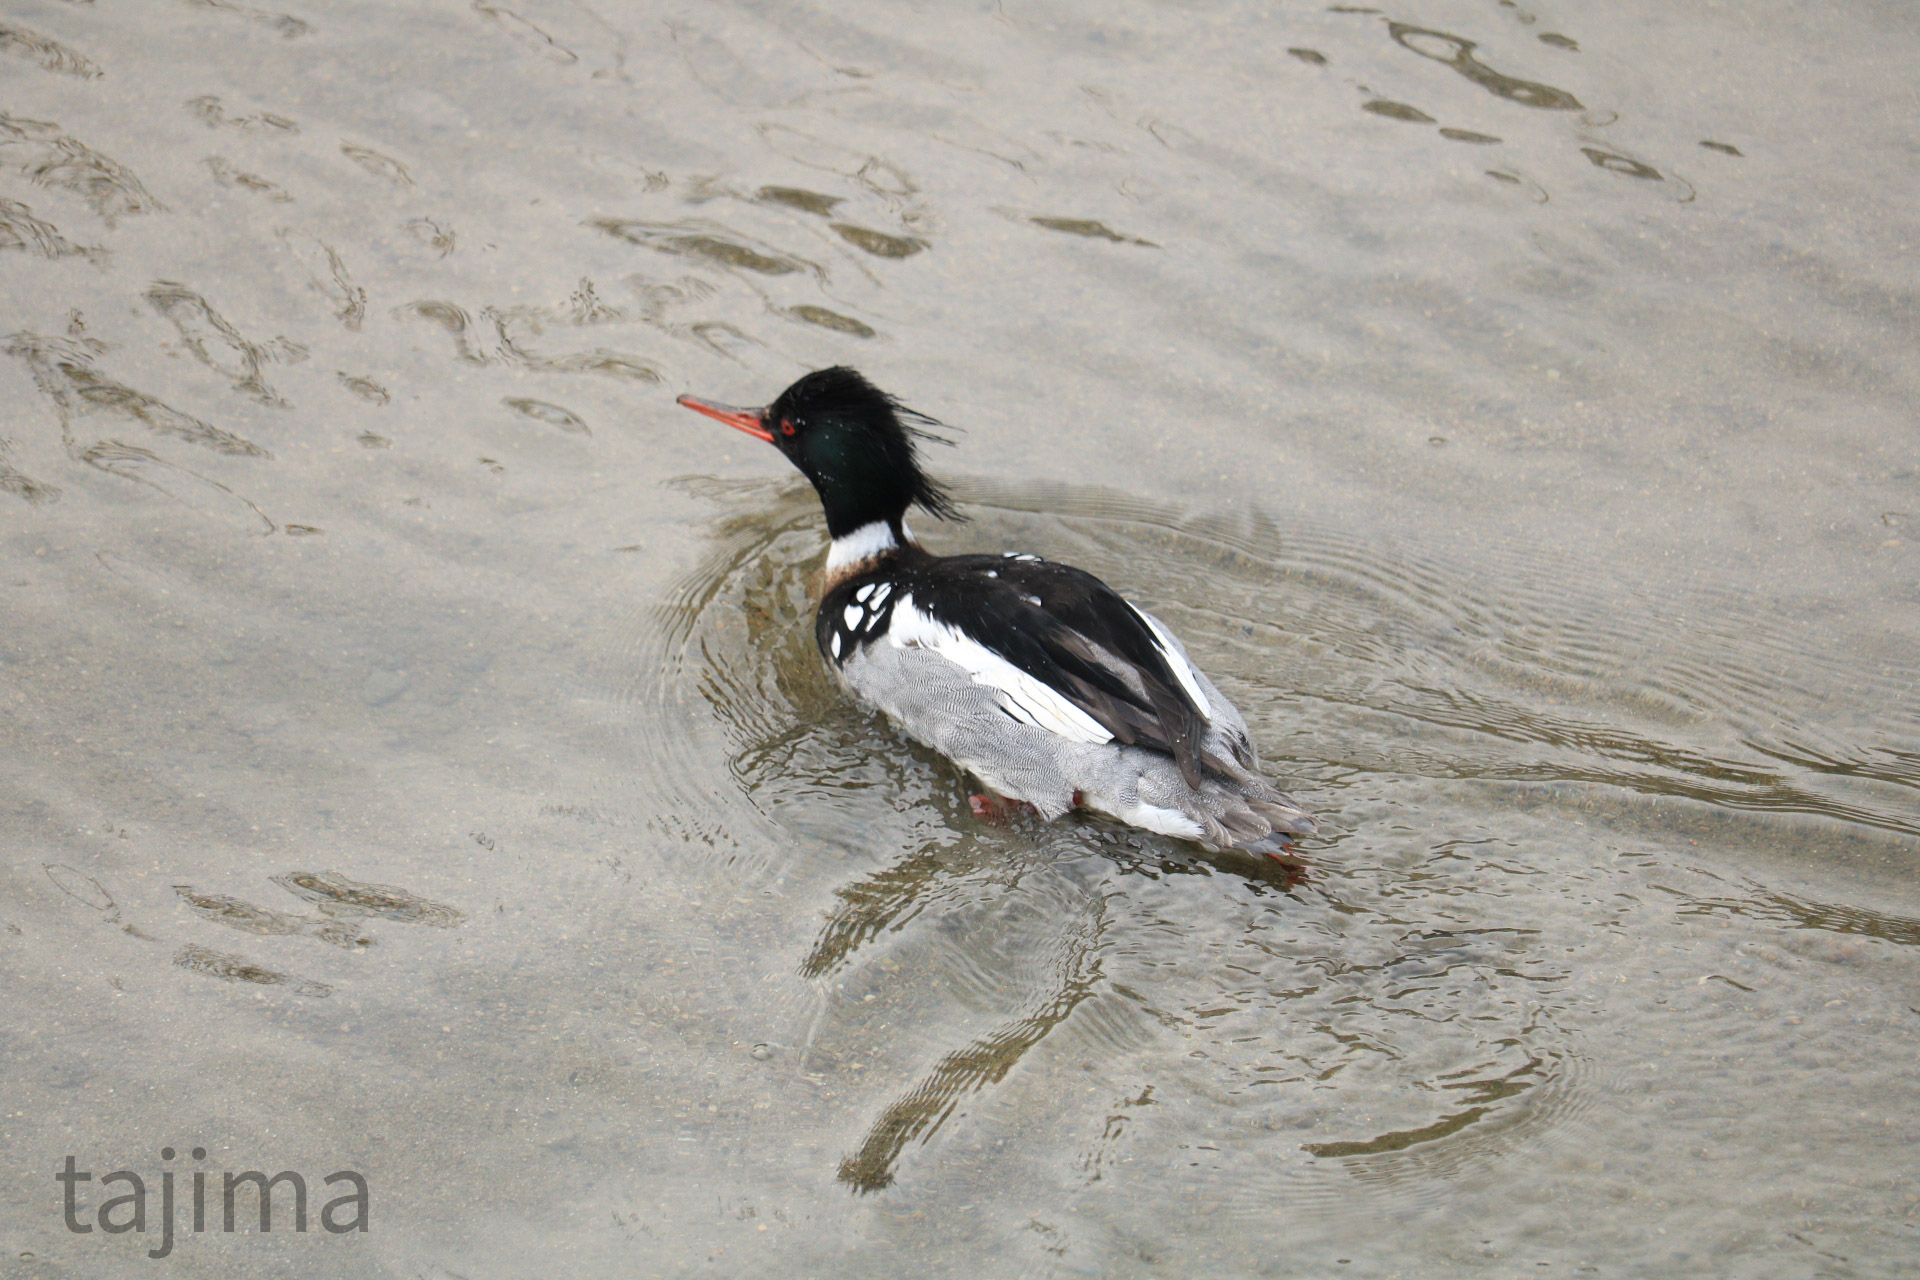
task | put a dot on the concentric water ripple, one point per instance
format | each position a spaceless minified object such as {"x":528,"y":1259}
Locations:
{"x":1404,"y":1014}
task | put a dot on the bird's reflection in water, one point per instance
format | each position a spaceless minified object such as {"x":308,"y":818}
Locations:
{"x":918,"y":1113}
{"x":887,"y":900}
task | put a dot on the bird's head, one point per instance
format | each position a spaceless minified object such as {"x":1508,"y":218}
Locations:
{"x":856,"y":443}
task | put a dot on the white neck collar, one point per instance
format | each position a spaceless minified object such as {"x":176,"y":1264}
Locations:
{"x":866,"y":542}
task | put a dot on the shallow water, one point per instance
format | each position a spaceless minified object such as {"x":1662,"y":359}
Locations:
{"x":416,"y":760}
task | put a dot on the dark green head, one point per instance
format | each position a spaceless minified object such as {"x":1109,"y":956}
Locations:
{"x":855,"y":443}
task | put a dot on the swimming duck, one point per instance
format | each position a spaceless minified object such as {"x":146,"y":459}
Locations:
{"x":1037,"y":678}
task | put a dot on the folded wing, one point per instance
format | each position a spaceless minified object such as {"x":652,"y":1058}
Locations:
{"x":1064,"y":650}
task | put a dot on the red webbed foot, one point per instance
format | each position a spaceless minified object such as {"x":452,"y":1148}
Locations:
{"x":999,"y":811}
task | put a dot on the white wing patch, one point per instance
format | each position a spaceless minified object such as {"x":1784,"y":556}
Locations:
{"x":1023,"y":697}
{"x":1182,"y":669}
{"x":861,"y":619}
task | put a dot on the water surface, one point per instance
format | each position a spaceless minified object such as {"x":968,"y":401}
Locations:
{"x":416,"y":760}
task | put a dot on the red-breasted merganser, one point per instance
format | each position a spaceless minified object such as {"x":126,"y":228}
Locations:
{"x":1036,"y":677}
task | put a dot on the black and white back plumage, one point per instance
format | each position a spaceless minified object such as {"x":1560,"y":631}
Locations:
{"x":1063,"y":649}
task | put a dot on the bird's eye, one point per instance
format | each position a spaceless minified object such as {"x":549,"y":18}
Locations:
{"x":786,"y":426}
